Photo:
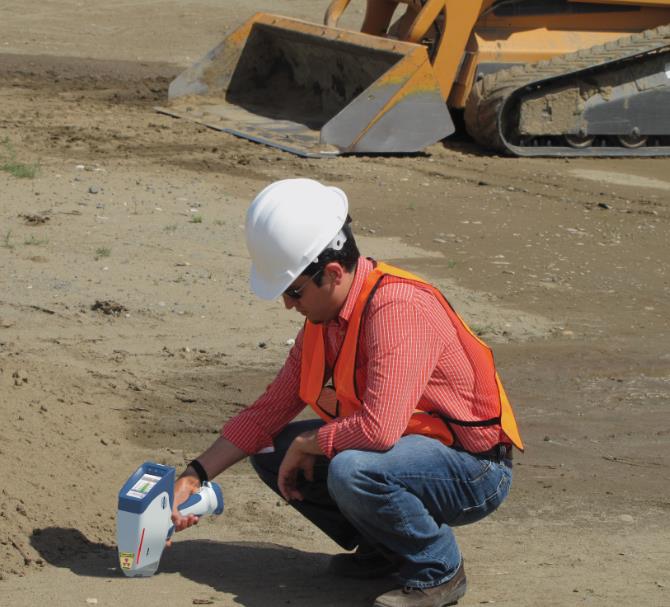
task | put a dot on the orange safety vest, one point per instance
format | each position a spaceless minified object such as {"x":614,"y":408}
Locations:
{"x":346,"y":401}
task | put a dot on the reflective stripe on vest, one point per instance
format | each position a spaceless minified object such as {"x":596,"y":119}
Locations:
{"x":344,"y":400}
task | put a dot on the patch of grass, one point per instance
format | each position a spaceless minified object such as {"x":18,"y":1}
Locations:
{"x":451,"y":264}
{"x":35,"y":241}
{"x":171,"y":229}
{"x":7,"y":240}
{"x":219,"y":222}
{"x":20,"y":170}
{"x":9,"y":163}
{"x":196,"y":218}
{"x":102,"y":252}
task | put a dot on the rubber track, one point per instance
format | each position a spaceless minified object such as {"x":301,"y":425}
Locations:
{"x":489,"y":96}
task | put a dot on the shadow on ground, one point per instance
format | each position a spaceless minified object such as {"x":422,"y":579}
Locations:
{"x":257,"y":574}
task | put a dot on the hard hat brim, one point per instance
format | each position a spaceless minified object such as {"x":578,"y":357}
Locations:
{"x":266,"y":288}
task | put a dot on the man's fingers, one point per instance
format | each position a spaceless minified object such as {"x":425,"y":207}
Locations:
{"x":290,"y":493}
{"x":308,"y":470}
{"x":184,"y":522}
{"x":284,"y":488}
{"x":287,"y":486}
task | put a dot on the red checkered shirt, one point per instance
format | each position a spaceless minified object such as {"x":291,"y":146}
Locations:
{"x":409,"y":353}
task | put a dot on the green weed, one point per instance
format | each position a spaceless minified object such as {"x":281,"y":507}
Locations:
{"x":7,"y":240}
{"x":196,"y":219}
{"x":9,"y":163}
{"x":35,"y":241}
{"x":102,"y":252}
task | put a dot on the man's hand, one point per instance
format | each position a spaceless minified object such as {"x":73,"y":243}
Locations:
{"x":221,"y":455}
{"x":183,"y":488}
{"x":300,"y":456}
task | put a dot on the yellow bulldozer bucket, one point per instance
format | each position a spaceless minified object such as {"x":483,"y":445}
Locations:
{"x":314,"y":90}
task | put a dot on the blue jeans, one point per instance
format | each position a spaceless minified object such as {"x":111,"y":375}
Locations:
{"x":405,"y":500}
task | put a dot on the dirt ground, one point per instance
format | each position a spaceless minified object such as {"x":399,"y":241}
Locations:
{"x":562,"y":265}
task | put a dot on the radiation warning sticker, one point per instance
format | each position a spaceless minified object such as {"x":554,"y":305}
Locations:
{"x":126,"y":560}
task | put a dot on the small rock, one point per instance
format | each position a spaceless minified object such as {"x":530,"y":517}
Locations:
{"x":626,"y":518}
{"x":20,"y":508}
{"x":604,"y":205}
{"x":91,"y":601}
{"x":290,"y":342}
{"x":440,"y":240}
{"x":93,"y":189}
{"x":104,"y":442}
{"x":546,"y":439}
{"x":262,"y":344}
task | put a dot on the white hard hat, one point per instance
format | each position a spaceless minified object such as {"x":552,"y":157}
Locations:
{"x":288,"y":224}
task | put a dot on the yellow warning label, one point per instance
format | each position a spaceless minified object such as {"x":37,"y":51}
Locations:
{"x":126,"y":560}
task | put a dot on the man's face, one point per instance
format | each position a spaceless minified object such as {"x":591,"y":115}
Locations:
{"x":318,"y":304}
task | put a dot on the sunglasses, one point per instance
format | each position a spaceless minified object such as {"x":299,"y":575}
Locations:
{"x":296,"y":292}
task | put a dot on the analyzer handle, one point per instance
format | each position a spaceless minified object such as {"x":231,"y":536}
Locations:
{"x":208,"y":500}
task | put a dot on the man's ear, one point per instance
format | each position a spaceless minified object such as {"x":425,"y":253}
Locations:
{"x":334,"y":271}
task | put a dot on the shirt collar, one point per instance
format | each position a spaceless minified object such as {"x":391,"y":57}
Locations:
{"x":363,"y":267}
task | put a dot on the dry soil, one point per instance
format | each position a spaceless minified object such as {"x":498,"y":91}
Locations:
{"x":128,"y":331}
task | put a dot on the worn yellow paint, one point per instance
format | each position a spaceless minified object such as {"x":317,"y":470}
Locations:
{"x":459,"y":21}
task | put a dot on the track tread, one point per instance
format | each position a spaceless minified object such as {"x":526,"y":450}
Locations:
{"x":490,"y":93}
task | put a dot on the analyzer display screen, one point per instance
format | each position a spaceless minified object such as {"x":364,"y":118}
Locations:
{"x":143,"y":486}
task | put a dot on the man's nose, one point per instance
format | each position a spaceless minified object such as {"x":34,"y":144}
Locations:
{"x":289,"y":302}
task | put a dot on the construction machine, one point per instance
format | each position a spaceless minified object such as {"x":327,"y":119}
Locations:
{"x":530,"y":78}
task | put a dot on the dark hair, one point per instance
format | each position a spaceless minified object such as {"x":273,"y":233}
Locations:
{"x":347,"y":256}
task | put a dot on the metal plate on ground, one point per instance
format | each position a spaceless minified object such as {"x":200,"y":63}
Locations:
{"x":285,"y":135}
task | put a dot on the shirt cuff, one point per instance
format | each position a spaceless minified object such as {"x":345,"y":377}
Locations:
{"x":326,"y":439}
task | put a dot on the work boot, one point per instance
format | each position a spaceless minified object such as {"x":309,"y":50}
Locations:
{"x":366,"y":563}
{"x":437,"y":596}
